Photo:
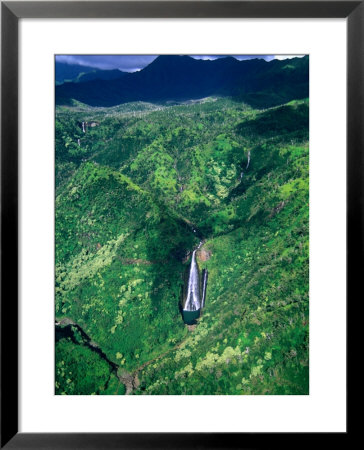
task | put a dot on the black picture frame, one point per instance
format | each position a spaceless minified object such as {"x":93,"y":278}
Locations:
{"x":11,"y":12}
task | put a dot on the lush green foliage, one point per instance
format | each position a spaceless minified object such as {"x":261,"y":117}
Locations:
{"x":81,"y":371}
{"x":130,"y":190}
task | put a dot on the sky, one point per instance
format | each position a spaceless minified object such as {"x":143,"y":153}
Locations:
{"x":132,"y":63}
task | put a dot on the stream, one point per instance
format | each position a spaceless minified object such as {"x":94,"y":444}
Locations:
{"x":194,"y":294}
{"x":64,"y":331}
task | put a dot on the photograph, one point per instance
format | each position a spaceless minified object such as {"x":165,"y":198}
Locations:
{"x":181,"y":224}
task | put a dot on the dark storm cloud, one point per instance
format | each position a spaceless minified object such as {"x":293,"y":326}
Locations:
{"x":131,"y":63}
{"x":122,"y":62}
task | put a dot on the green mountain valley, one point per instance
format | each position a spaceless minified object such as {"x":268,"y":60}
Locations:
{"x":139,"y":186}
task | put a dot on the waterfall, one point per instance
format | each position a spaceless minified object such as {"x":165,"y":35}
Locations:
{"x":204,"y":284}
{"x":83,"y":127}
{"x":248,"y":160}
{"x":194,"y":291}
{"x":246,"y":168}
{"x":192,"y":302}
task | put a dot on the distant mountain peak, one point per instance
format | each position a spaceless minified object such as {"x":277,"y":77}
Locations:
{"x":170,"y":60}
{"x":180,"y":77}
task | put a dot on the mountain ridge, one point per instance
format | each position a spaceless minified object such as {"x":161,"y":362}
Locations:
{"x":179,"y":77}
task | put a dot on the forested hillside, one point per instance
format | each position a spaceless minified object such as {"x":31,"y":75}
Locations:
{"x":138,"y":185}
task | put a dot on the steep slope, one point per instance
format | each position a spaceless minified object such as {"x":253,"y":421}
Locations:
{"x":253,"y":335}
{"x":130,"y":193}
{"x":117,"y":272}
{"x":68,"y":72}
{"x":171,"y":77}
{"x":99,"y":74}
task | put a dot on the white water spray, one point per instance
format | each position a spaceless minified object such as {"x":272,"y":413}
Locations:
{"x":193,"y":302}
{"x":248,"y":160}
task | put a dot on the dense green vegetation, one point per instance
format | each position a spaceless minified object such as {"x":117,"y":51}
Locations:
{"x":81,"y":371}
{"x":129,"y":191}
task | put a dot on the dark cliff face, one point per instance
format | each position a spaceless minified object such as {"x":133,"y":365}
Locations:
{"x":171,"y":77}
